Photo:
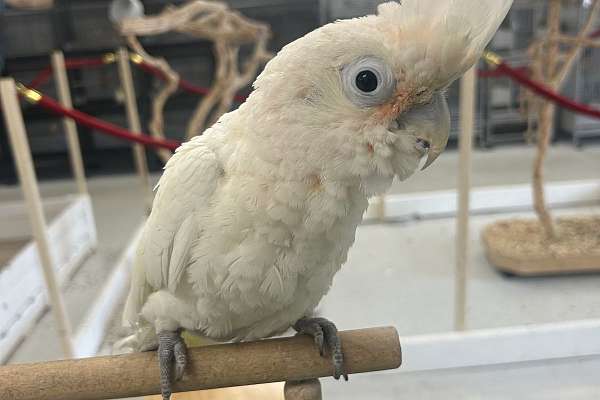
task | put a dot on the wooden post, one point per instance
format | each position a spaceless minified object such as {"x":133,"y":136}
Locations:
{"x":309,"y":389}
{"x":64,"y":96}
{"x":24,"y":163}
{"x":133,"y":118}
{"x":209,"y":367}
{"x":379,"y":203}
{"x":468,"y":86}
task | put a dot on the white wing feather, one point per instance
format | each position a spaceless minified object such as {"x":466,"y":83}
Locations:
{"x":186,"y":187}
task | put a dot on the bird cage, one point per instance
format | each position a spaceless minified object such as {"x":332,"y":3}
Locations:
{"x":500,"y":97}
{"x":341,"y":9}
{"x":584,"y":87}
{"x":26,"y":32}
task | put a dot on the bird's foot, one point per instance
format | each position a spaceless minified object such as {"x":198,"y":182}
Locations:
{"x":326,"y":337}
{"x":172,"y":357}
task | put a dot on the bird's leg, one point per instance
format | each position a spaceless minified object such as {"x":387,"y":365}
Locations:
{"x":325,"y":334}
{"x":171,"y":356}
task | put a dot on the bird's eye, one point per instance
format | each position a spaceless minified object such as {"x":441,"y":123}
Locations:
{"x":368,"y":81}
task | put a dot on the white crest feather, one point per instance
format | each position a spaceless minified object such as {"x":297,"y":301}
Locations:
{"x":455,"y":32}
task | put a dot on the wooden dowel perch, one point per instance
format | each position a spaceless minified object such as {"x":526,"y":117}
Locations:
{"x":132,"y":375}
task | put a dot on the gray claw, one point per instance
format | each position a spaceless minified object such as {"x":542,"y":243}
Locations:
{"x":325,"y":335}
{"x":171,"y":349}
{"x":320,"y":342}
{"x":180,"y":352}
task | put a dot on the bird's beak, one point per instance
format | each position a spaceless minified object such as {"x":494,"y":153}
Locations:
{"x":431,"y":124}
{"x":437,"y":142}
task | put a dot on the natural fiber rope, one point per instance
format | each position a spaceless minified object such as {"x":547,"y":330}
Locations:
{"x":212,"y":21}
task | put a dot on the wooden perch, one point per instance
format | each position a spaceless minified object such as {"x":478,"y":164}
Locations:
{"x":132,"y":375}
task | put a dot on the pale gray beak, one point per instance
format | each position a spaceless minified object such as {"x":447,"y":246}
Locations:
{"x":431,"y":124}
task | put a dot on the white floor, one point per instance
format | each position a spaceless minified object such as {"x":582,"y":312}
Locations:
{"x":118,"y":209}
{"x":402,"y":275}
{"x":572,"y":379}
{"x":506,"y":166}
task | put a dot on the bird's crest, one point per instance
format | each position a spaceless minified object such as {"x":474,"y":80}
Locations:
{"x":453,"y":33}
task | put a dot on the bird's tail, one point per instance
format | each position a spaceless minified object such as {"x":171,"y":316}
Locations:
{"x":143,"y":338}
{"x":138,"y":294}
{"x":141,"y":335}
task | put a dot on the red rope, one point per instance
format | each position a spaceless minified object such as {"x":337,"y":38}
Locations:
{"x":183,"y":84}
{"x":76,"y":63}
{"x":496,"y":73}
{"x":42,"y":77}
{"x":106,"y":127}
{"x":547,"y":92}
{"x":521,"y":75}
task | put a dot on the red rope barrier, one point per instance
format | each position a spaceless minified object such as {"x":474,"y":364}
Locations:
{"x":106,"y":127}
{"x":541,"y":89}
{"x":76,"y":63}
{"x":183,"y":84}
{"x":95,"y":123}
{"x":502,"y":69}
{"x":496,"y":73}
{"x":42,"y":77}
{"x":73,"y":63}
{"x":521,"y":75}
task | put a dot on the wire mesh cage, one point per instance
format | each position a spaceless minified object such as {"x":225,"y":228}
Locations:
{"x":26,"y":33}
{"x":91,"y":27}
{"x":340,"y":9}
{"x":501,"y":98}
{"x":584,"y":87}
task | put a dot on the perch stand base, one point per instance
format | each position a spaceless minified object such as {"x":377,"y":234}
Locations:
{"x":519,"y":246}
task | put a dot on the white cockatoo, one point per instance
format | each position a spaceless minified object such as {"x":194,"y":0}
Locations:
{"x":252,"y":220}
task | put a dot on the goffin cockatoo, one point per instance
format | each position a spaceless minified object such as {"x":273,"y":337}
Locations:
{"x":252,"y":220}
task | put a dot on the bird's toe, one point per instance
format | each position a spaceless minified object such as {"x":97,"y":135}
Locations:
{"x":326,"y":338}
{"x":171,"y":355}
{"x":180,"y":353}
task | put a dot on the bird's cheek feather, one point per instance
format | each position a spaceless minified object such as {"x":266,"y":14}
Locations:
{"x":405,"y":160}
{"x":392,"y":109}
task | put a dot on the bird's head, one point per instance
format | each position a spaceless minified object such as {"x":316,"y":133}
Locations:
{"x":365,"y":96}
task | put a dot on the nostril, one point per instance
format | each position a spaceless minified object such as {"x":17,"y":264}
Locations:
{"x":424,"y":143}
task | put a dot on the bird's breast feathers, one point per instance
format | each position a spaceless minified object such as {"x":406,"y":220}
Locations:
{"x":267,"y":251}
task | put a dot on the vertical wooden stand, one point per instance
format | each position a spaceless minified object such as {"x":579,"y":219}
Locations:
{"x":24,"y":163}
{"x":468,"y":85}
{"x":303,"y":390}
{"x":64,"y":96}
{"x":133,"y":118}
{"x":379,"y":203}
